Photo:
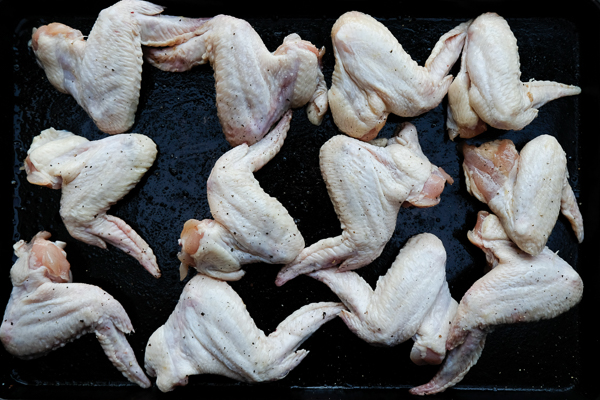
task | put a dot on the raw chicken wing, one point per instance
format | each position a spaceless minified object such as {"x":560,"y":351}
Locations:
{"x":367,"y":185}
{"x":374,"y":76}
{"x":249,"y":226}
{"x":488,"y":88}
{"x":527,"y":191}
{"x":104,"y":72}
{"x":519,"y":288}
{"x":211,"y":332}
{"x":411,"y":300}
{"x":254,"y":86}
{"x":46,"y":310}
{"x":94,"y":176}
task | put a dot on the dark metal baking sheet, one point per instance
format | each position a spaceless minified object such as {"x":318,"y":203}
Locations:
{"x":548,"y":359}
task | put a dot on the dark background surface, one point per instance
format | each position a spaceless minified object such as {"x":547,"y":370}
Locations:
{"x":547,"y":359}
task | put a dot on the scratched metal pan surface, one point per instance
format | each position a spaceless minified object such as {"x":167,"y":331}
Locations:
{"x":548,"y":359}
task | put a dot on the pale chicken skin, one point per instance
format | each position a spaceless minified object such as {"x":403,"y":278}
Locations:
{"x":103,"y":71}
{"x":367,"y":184}
{"x":254,"y":87}
{"x":94,"y":175}
{"x":411,"y":300}
{"x":248,"y":225}
{"x":488,"y":89}
{"x":374,"y":76}
{"x":211,"y":332}
{"x":518,"y":288}
{"x":46,"y":310}
{"x":527,"y":191}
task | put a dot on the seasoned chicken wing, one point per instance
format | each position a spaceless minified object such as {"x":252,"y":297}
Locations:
{"x":248,"y":225}
{"x":519,"y":288}
{"x":94,"y":175}
{"x":411,"y":300}
{"x":367,"y":185}
{"x":374,"y":76}
{"x":104,"y":72}
{"x":46,"y":310}
{"x":488,"y":88}
{"x":254,"y":86}
{"x":527,"y":191}
{"x":211,"y":332}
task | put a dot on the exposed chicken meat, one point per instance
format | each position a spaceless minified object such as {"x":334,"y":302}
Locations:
{"x":104,"y":72}
{"x":367,"y":185}
{"x":519,"y":288}
{"x":488,"y":88}
{"x":374,"y":76}
{"x":249,"y":226}
{"x":411,"y":300}
{"x":527,"y":191}
{"x":254,"y":86}
{"x":94,"y":175}
{"x":211,"y":332}
{"x":46,"y":310}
